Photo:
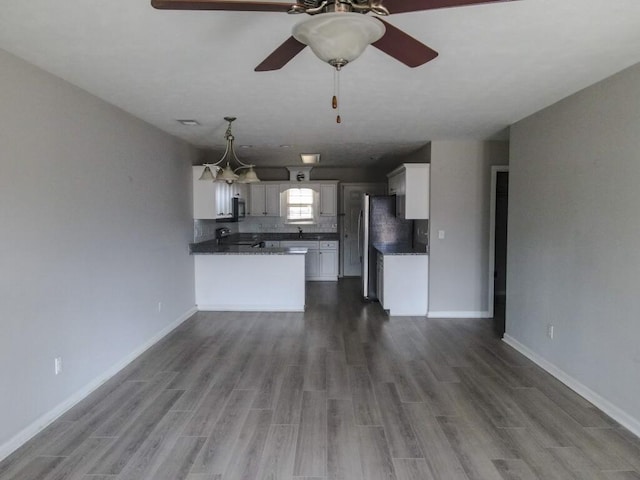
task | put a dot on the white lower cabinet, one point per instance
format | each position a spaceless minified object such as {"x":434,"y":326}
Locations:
{"x":403,"y":284}
{"x":328,"y":261}
{"x":312,"y":264}
{"x":321,"y":260}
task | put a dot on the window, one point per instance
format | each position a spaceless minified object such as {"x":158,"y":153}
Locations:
{"x":300,"y":205}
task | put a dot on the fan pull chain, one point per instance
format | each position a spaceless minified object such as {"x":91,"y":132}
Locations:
{"x":336,"y":93}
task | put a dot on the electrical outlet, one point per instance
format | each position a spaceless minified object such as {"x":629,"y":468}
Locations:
{"x":550,"y":331}
{"x":441,"y":234}
{"x":57,"y":365}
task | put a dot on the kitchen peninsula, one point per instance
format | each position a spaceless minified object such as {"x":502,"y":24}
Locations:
{"x":403,"y":279}
{"x":244,"y":278}
{"x":260,"y":241}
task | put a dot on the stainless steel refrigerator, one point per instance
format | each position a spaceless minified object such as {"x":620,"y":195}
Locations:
{"x":378,"y":224}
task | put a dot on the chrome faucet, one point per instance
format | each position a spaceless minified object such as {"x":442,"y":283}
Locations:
{"x":299,"y":232}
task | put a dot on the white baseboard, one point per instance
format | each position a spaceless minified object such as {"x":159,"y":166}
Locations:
{"x":45,"y":420}
{"x":460,"y":314}
{"x":623,"y":418}
{"x":250,"y":308}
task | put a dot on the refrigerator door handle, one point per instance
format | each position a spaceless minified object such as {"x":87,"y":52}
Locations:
{"x":359,"y":227}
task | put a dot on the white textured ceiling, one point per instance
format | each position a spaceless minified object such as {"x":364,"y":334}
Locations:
{"x":498,"y":63}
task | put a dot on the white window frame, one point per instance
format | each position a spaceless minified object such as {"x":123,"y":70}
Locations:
{"x":311,"y":203}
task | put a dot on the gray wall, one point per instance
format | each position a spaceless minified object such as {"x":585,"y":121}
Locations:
{"x":95,"y":208}
{"x":574,"y":228}
{"x":460,"y":197}
{"x":420,"y":155}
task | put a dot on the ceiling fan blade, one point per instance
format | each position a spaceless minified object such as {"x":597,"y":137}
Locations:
{"x":281,"y":55}
{"x":400,"y":6}
{"x":235,"y":5}
{"x":403,"y":47}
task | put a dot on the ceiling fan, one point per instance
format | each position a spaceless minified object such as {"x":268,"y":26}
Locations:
{"x":336,"y":24}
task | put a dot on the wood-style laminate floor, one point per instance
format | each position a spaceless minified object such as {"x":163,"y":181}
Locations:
{"x":340,"y":392}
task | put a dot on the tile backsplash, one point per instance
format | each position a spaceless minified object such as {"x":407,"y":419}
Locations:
{"x":421,"y":234}
{"x":278,"y":225}
{"x":206,"y":229}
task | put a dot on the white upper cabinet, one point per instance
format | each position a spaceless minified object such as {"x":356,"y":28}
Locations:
{"x":272,"y":200}
{"x":204,"y":196}
{"x":257,"y":205}
{"x":328,"y":199}
{"x":410,"y":184}
{"x":239,"y":190}
{"x":264,"y":200}
{"x":223,"y":197}
{"x":211,"y":200}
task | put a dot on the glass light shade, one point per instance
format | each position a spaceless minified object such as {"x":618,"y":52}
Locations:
{"x":207,"y":174}
{"x":227,"y":175}
{"x":338,"y":36}
{"x":250,"y":176}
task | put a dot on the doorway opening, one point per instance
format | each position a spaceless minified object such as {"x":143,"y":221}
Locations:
{"x":498,"y":246}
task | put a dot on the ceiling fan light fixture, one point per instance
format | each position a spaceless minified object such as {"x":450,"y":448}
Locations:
{"x":338,"y":37}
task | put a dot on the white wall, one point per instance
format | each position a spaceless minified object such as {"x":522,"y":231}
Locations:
{"x":573,"y":246}
{"x":460,"y":197}
{"x":95,"y":208}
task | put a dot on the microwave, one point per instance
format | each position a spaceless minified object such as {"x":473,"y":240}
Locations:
{"x":238,"y":211}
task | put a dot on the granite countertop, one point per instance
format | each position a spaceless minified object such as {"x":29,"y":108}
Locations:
{"x":210,"y":247}
{"x":284,"y":236}
{"x":398,"y":249}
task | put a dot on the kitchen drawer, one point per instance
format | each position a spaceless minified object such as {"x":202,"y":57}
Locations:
{"x":310,"y":244}
{"x":272,"y":243}
{"x":328,"y":244}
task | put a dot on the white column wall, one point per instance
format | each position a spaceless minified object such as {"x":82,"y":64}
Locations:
{"x":459,"y":263}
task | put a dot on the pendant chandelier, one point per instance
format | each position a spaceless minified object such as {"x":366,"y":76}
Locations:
{"x":229,"y":168}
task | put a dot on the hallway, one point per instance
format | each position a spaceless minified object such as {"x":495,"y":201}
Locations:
{"x":339,"y":392}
